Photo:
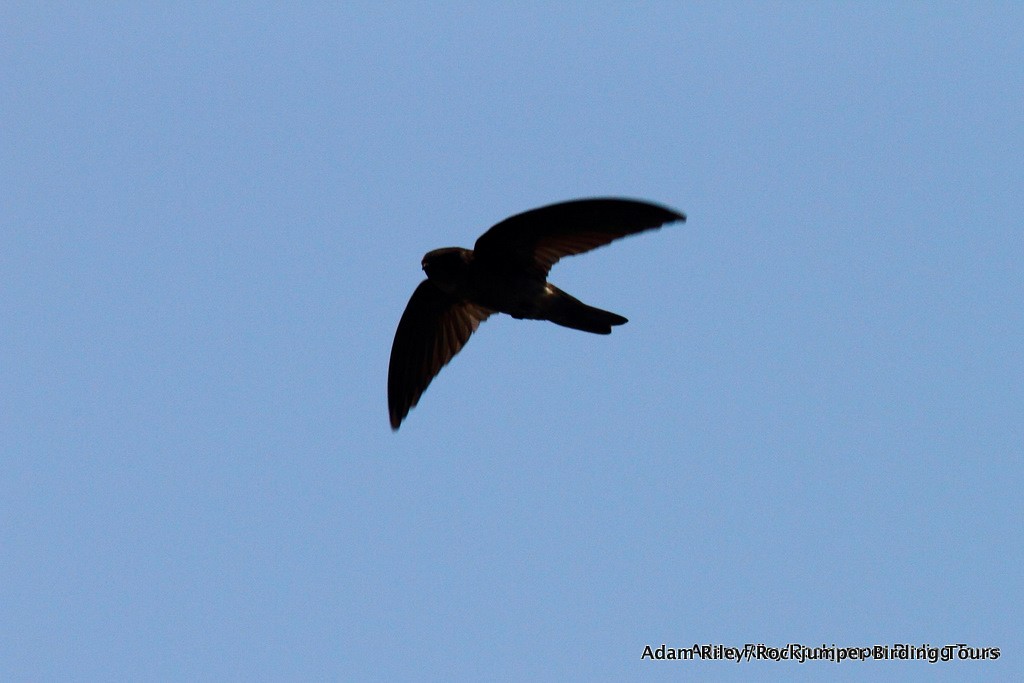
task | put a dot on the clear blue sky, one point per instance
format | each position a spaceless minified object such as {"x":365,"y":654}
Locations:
{"x":810,"y":430}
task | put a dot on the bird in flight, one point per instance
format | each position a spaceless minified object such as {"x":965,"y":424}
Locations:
{"x":506,"y":272}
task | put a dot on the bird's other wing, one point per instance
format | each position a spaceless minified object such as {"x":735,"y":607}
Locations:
{"x":433,"y":328}
{"x":536,"y":239}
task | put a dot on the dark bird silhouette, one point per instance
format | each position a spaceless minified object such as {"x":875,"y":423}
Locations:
{"x":506,"y":272}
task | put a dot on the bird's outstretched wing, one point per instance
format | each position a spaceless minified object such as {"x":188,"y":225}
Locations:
{"x":434,"y":327}
{"x":536,"y":239}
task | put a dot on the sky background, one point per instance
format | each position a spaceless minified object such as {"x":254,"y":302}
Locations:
{"x":810,"y":430}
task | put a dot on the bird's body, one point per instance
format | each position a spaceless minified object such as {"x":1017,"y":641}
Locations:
{"x":506,"y":272}
{"x":517,"y":292}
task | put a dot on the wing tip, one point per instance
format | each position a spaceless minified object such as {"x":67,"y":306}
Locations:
{"x":396,"y":421}
{"x":669,"y":214}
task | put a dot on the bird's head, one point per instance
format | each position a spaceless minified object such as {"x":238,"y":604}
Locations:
{"x":446,"y":267}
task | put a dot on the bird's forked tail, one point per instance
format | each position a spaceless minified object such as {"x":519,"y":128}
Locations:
{"x":568,"y":311}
